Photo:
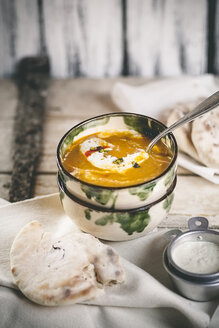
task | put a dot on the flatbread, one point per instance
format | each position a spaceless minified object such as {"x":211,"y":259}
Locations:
{"x":183,"y":134}
{"x":205,"y":137}
{"x":58,"y":270}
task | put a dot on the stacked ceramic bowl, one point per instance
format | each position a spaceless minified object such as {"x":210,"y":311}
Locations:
{"x":117,"y":213}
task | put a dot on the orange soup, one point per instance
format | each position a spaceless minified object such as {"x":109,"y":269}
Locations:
{"x":115,"y":159}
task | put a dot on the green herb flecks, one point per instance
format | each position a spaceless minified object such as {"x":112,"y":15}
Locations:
{"x":104,"y":150}
{"x":136,"y":165}
{"x":98,"y":148}
{"x":94,"y":148}
{"x":118,"y":161}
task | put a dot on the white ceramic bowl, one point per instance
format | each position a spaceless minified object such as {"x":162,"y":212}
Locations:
{"x":115,"y":225}
{"x":124,"y":197}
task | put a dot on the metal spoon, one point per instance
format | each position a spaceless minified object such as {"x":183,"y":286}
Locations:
{"x":204,"y":107}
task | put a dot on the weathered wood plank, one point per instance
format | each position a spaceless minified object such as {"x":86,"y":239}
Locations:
{"x":181,"y":221}
{"x":82,"y":98}
{"x":5,"y":180}
{"x":195,"y":196}
{"x":27,"y":29}
{"x":19,"y":33}
{"x":55,"y":37}
{"x":192,"y":34}
{"x":8,"y":104}
{"x":7,"y":21}
{"x":166,"y":38}
{"x":81,"y":38}
{"x":45,"y":184}
{"x":86,"y":38}
{"x":216,"y":41}
{"x":8,"y":98}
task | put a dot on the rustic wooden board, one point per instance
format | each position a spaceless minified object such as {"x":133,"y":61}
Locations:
{"x":181,"y":221}
{"x":5,"y":180}
{"x":27,"y":28}
{"x":8,"y":104}
{"x":108,"y":38}
{"x":45,"y":184}
{"x":84,"y":37}
{"x":216,"y":43}
{"x":19,"y":33}
{"x":195,"y":196}
{"x":166,"y":37}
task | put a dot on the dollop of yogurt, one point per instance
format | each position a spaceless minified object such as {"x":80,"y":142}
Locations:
{"x":201,"y":257}
{"x":96,"y":151}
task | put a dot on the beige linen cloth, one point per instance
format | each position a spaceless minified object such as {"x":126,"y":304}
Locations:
{"x":146,"y":299}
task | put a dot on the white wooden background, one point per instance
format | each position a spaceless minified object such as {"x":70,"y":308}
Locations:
{"x":97,"y":38}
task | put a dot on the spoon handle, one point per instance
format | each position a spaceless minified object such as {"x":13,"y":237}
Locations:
{"x":204,"y":107}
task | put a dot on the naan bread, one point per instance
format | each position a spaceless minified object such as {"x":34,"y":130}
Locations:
{"x":183,"y":134}
{"x":51,"y":270}
{"x":205,"y":137}
{"x":200,"y":138}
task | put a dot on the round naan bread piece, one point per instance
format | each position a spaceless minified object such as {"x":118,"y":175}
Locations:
{"x":58,"y":270}
{"x":183,"y":134}
{"x":205,"y":137}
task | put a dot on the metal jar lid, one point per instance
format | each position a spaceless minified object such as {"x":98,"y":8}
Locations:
{"x":196,"y":286}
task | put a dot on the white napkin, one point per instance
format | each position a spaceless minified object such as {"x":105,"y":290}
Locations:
{"x":145,"y":299}
{"x":156,"y":98}
{"x":190,"y":164}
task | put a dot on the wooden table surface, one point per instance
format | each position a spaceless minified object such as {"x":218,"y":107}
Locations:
{"x":74,"y":100}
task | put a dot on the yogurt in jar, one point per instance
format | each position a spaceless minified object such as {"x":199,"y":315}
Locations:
{"x":201,"y":257}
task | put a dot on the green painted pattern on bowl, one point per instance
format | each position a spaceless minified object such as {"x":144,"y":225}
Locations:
{"x":129,"y":222}
{"x":87,"y":213}
{"x":168,"y":202}
{"x":170,"y":176}
{"x":142,"y":192}
{"x":100,"y":195}
{"x":146,"y":127}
